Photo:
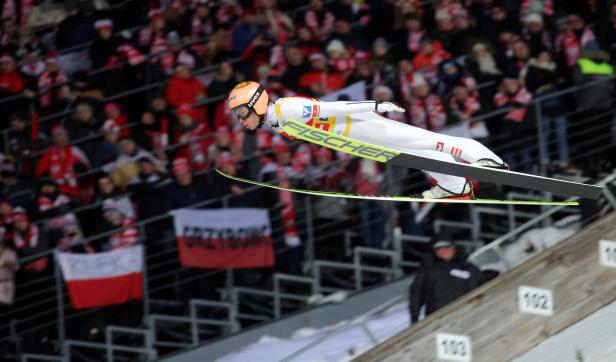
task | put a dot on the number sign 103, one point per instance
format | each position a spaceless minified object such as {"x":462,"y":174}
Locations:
{"x":453,"y":347}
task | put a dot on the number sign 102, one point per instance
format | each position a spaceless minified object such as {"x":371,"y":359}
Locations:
{"x":535,"y":301}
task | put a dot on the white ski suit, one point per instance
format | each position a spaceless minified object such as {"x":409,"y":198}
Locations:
{"x":359,"y":121}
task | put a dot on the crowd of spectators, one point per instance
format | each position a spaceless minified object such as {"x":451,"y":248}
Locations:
{"x":82,"y":156}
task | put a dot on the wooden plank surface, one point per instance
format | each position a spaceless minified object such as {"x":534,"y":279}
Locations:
{"x":489,"y":315}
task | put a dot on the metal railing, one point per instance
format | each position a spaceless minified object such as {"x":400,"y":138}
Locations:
{"x":231,"y":294}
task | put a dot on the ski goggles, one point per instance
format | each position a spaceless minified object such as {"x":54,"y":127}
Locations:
{"x":242,"y":112}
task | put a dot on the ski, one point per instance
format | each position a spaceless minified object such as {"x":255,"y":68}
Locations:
{"x":397,"y":158}
{"x":395,"y":198}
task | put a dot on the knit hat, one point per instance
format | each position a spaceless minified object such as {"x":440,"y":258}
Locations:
{"x":110,"y":106}
{"x":20,"y":214}
{"x":57,"y":129}
{"x":317,"y":57}
{"x":6,"y":58}
{"x":173,"y":38}
{"x":418,"y":80}
{"x":335,"y":46}
{"x":281,"y":147}
{"x":534,"y":18}
{"x":180,"y":165}
{"x":103,"y":23}
{"x":70,"y":222}
{"x":185,"y":110}
{"x":110,"y":126}
{"x":154,"y":13}
{"x":110,"y":205}
{"x":225,"y":158}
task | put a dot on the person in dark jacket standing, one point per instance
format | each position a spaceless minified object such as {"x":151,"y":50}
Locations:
{"x":442,"y":279}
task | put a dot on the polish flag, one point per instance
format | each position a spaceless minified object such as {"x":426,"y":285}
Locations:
{"x":100,"y":279}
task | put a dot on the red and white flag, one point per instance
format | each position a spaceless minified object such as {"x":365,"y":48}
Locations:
{"x":100,"y":279}
{"x":224,"y":238}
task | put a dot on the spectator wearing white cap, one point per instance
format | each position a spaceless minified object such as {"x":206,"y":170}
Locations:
{"x":102,"y":52}
{"x":427,"y":109}
{"x":340,"y":58}
{"x":126,"y":233}
{"x":535,"y":34}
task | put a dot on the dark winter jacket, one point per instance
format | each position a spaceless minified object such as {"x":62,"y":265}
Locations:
{"x":438,"y":283}
{"x":176,"y":196}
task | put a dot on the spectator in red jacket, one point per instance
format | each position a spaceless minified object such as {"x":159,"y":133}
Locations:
{"x":62,"y":162}
{"x":184,"y":88}
{"x":427,"y":108}
{"x":320,"y":81}
{"x":10,"y":80}
{"x":430,"y":55}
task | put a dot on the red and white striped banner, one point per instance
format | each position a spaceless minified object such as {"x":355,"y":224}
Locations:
{"x":100,"y":279}
{"x":224,"y":238}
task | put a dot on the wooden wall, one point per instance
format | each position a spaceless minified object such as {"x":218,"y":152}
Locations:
{"x":489,"y":315}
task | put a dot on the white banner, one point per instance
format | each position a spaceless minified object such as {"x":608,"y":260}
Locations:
{"x":355,"y":92}
{"x":224,"y":238}
{"x":234,"y":220}
{"x":101,"y":265}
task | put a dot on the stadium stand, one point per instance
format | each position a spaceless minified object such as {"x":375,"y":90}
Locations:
{"x":113,"y":116}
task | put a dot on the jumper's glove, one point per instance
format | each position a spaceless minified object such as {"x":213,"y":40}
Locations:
{"x":387,"y":107}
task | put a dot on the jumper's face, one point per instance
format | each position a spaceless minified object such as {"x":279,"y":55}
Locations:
{"x":251,"y":122}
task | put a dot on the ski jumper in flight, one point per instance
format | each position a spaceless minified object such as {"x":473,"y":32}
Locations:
{"x":250,"y":103}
